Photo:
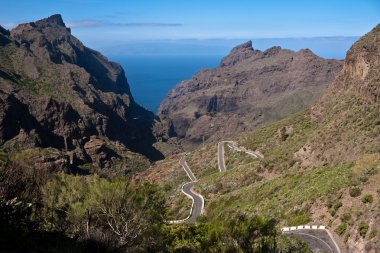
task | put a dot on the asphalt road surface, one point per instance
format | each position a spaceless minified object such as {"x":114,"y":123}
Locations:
{"x":187,"y":169}
{"x":198,"y":202}
{"x":221,"y":162}
{"x":232,"y":145}
{"x":317,"y":239}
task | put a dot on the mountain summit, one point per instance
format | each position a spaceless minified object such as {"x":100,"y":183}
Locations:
{"x":238,"y":54}
{"x":55,"y":19}
{"x":249,"y":88}
{"x":57,"y":93}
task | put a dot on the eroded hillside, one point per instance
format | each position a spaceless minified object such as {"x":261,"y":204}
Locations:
{"x":249,"y":89}
{"x":56,"y":93}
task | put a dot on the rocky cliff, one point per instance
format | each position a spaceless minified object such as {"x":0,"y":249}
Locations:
{"x":57,"y":93}
{"x":348,"y":130}
{"x":249,"y":88}
{"x":348,"y":114}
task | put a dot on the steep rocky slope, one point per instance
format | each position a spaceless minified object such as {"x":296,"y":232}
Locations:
{"x":250,"y":88}
{"x":56,"y":93}
{"x":348,"y":114}
{"x":320,"y":166}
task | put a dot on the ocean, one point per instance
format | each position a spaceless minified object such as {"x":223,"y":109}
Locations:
{"x":155,"y":67}
{"x":152,"y":77}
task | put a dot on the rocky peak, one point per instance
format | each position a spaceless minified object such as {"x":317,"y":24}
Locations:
{"x":272,"y":51}
{"x":243,"y":47}
{"x":66,"y":92}
{"x":361,"y":67}
{"x":306,"y":52}
{"x":239,"y":53}
{"x":53,"y":20}
{"x":50,"y":28}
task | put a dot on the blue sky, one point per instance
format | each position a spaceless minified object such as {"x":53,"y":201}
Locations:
{"x":201,"y":19}
{"x":103,"y":23}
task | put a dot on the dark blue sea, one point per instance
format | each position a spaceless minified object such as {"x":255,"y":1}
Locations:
{"x":152,"y":77}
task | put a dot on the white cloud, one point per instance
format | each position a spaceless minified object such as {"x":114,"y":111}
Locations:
{"x":96,"y":23}
{"x":84,"y":23}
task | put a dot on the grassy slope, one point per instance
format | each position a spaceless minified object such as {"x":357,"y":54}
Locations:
{"x":281,"y":185}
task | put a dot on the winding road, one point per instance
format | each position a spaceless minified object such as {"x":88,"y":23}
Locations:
{"x":198,"y":202}
{"x":187,"y":169}
{"x":233,"y":145}
{"x":318,"y":238}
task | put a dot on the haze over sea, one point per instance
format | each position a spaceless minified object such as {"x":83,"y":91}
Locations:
{"x":154,"y":68}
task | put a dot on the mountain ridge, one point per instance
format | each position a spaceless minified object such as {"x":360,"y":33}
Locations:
{"x":72,"y":98}
{"x":248,"y":89}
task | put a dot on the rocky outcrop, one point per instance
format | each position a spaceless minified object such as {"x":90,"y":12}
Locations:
{"x":348,"y":113}
{"x":249,"y":88}
{"x":239,"y":53}
{"x":360,"y":70}
{"x":55,"y":92}
{"x":348,"y":129}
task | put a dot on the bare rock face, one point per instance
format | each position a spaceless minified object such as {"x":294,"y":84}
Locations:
{"x":361,"y":66}
{"x":239,"y":53}
{"x":348,"y":113}
{"x":55,"y":92}
{"x":249,"y":88}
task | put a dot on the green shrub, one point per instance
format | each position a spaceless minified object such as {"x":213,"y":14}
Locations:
{"x":345,"y":217}
{"x":363,"y":228}
{"x":341,"y":229}
{"x":370,"y":171}
{"x":79,"y":207}
{"x":338,"y":205}
{"x":373,"y":233}
{"x":332,"y":212}
{"x":366,"y":173}
{"x":329,"y":203}
{"x":346,"y":236}
{"x":355,"y":192}
{"x":367,"y":198}
{"x":334,"y":208}
{"x":283,"y":134}
{"x":298,"y":218}
{"x":88,"y":167}
{"x":167,"y":186}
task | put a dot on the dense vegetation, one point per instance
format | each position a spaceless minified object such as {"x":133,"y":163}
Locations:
{"x":59,"y":212}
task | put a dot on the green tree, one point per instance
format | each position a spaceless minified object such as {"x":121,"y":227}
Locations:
{"x":129,"y":212}
{"x":64,"y":198}
{"x":113,"y":211}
